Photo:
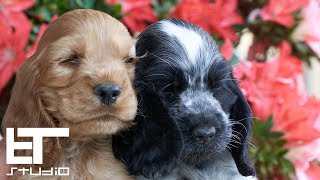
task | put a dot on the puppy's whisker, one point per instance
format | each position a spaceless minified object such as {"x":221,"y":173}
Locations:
{"x":153,"y":86}
{"x":152,"y":75}
{"x":251,"y":117}
{"x":239,"y":123}
{"x":236,"y":137}
{"x":226,"y":68}
{"x":238,"y":133}
{"x":252,"y":145}
{"x":227,"y":73}
{"x":232,"y":145}
{"x":140,"y":113}
{"x":166,"y":87}
{"x":228,"y":149}
{"x":163,"y":60}
{"x":235,"y":141}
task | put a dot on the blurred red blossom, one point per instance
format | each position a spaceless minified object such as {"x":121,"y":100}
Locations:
{"x":303,"y":158}
{"x":12,"y":48}
{"x":138,"y":14}
{"x":217,"y":17}
{"x":227,"y":49}
{"x":15,"y":30}
{"x":264,"y":83}
{"x":308,"y":29}
{"x":295,"y":115}
{"x":311,"y":173}
{"x":12,"y":12}
{"x":9,"y":6}
{"x":276,"y":87}
{"x":281,"y":11}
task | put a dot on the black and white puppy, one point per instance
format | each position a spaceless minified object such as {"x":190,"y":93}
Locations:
{"x":193,"y":120}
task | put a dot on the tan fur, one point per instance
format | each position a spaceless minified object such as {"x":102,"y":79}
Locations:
{"x":52,"y":93}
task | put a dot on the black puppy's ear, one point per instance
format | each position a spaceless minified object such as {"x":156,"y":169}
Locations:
{"x":242,"y":117}
{"x":153,"y":146}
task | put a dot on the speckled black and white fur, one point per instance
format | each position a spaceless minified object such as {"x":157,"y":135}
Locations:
{"x":193,"y":121}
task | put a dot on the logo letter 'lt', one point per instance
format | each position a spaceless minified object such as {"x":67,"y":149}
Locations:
{"x":36,"y":145}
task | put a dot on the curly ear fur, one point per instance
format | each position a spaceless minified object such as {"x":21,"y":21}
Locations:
{"x":146,"y":148}
{"x":241,"y":114}
{"x":26,"y":110}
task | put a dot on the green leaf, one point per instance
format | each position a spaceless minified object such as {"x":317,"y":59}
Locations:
{"x":234,"y":60}
{"x":43,"y":14}
{"x":162,"y":8}
{"x":269,"y":151}
{"x":276,"y":134}
{"x":287,"y":165}
{"x":81,"y":4}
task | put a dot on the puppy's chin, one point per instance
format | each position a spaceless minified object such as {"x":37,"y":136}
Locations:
{"x":195,"y":153}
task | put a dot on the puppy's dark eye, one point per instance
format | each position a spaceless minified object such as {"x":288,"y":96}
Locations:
{"x":215,"y":84}
{"x":74,"y":59}
{"x":130,"y":60}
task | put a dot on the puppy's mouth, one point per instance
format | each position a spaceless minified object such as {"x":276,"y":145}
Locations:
{"x":196,"y":150}
{"x":96,"y":127}
{"x":199,"y":153}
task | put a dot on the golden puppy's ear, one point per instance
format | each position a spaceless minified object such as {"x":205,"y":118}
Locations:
{"x":25,"y":110}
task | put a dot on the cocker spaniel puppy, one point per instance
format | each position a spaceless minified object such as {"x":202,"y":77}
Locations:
{"x":193,"y":121}
{"x":80,"y":78}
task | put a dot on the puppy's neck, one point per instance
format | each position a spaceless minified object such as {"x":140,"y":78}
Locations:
{"x":86,"y":157}
{"x":75,"y":149}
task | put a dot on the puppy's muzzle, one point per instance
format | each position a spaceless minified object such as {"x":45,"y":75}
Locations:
{"x":107,"y":93}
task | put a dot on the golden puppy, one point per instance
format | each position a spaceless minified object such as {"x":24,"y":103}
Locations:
{"x":80,"y":77}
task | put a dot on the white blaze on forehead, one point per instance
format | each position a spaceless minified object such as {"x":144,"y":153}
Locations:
{"x":191,"y":40}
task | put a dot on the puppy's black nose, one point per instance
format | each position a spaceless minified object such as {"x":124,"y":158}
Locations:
{"x":107,"y":93}
{"x":204,"y":135}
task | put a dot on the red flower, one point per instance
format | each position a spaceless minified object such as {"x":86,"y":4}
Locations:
{"x":7,"y":6}
{"x":10,"y":9}
{"x":227,"y":49}
{"x":280,"y":11}
{"x":312,"y":173}
{"x":302,"y":158}
{"x":296,"y":115}
{"x":15,"y":30}
{"x":138,"y":14}
{"x":12,"y":45}
{"x":276,"y":87}
{"x":217,"y":17}
{"x":265,"y":83}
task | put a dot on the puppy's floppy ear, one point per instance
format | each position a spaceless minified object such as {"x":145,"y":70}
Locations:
{"x":26,"y":109}
{"x":153,"y":146}
{"x":241,"y":114}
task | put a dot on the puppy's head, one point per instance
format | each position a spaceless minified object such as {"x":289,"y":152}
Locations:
{"x":80,"y":77}
{"x":183,"y":71}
